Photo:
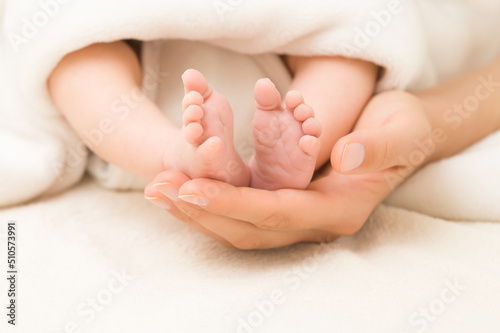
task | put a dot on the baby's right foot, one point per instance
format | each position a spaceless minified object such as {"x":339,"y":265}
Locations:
{"x":207,"y":148}
{"x":286,"y":140}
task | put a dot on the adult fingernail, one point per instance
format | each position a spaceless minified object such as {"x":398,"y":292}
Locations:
{"x":352,"y":157}
{"x":194,"y":199}
{"x":158,"y":202}
{"x":168,"y":190}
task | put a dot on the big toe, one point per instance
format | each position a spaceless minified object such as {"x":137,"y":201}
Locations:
{"x":211,"y":151}
{"x":195,"y":81}
{"x":266,"y":95}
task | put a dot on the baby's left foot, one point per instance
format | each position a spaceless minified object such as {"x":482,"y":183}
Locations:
{"x":207,"y":146}
{"x":286,"y":140}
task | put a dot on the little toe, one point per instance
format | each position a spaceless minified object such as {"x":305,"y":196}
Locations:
{"x":192,"y":132}
{"x":311,"y":127}
{"x":192,"y":98}
{"x":195,"y":81}
{"x":267,"y":96}
{"x":310,"y":145}
{"x":193,"y":113}
{"x":293,"y":99}
{"x":303,"y":112}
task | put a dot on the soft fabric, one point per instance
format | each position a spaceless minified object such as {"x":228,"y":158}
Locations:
{"x":146,"y":272}
{"x":416,"y":42}
{"x":463,"y":187}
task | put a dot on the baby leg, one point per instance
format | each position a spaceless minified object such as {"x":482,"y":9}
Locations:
{"x":337,"y":89}
{"x":98,"y":89}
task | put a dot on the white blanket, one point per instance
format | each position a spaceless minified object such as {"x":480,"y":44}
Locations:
{"x":403,"y":273}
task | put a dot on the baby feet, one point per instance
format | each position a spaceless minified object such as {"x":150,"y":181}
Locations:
{"x":286,"y":140}
{"x":207,"y":131}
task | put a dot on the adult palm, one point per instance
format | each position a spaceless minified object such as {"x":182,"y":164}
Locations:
{"x":336,"y":203}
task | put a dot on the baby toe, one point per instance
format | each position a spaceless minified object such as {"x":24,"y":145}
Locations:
{"x":293,"y":99}
{"x":303,"y":112}
{"x":311,"y":127}
{"x":195,"y":81}
{"x":192,"y":98}
{"x":267,"y":97}
{"x":193,"y":113}
{"x":192,"y":132}
{"x":310,"y":145}
{"x":211,"y":151}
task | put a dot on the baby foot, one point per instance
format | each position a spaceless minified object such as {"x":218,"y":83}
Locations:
{"x":286,"y":140}
{"x":208,"y":134}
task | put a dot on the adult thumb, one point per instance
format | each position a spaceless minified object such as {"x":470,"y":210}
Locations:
{"x":397,"y":143}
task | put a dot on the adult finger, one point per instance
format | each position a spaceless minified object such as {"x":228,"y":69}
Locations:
{"x":403,"y":139}
{"x":284,"y":210}
{"x":244,"y":235}
{"x":169,"y":182}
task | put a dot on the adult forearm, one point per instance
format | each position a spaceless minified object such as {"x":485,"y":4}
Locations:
{"x":464,"y":110}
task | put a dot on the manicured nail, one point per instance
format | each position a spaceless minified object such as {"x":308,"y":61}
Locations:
{"x":168,"y":190}
{"x":352,"y":157}
{"x":194,"y":199}
{"x":158,"y":202}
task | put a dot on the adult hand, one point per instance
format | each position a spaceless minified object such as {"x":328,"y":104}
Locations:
{"x":366,"y":165}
